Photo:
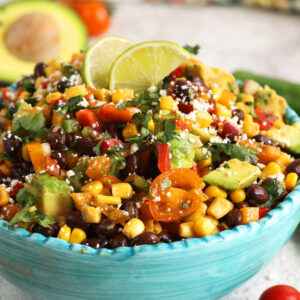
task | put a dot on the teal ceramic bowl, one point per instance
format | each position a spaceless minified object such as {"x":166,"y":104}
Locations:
{"x":206,"y":268}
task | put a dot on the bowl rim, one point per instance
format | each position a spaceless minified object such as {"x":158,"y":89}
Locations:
{"x":286,"y":206}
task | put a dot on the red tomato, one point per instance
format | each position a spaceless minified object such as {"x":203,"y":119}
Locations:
{"x":109,"y":113}
{"x":110,"y":143}
{"x":212,"y":109}
{"x":184,"y":107}
{"x":93,"y":13}
{"x":86,"y":117}
{"x":3,"y":93}
{"x":178,"y":73}
{"x":58,"y":101}
{"x":164,"y":162}
{"x":182,"y":125}
{"x":263,"y":211}
{"x":52,"y":167}
{"x":280,"y":292}
{"x":196,"y":169}
{"x":266,"y":121}
{"x":175,"y":194}
{"x":14,"y":191}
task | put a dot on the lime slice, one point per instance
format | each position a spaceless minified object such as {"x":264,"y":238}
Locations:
{"x":146,"y":64}
{"x":99,"y":58}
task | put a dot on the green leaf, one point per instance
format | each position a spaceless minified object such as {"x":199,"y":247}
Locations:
{"x":169,"y":131}
{"x":24,"y":196}
{"x":252,"y":111}
{"x":274,"y":189}
{"x":106,"y":135}
{"x":7,"y":157}
{"x":231,"y":87}
{"x":226,"y":166}
{"x":68,"y":70}
{"x":32,"y":101}
{"x":28,"y":85}
{"x":118,"y":159}
{"x":147,"y":100}
{"x":30,"y":122}
{"x":192,"y":49}
{"x":44,"y":220}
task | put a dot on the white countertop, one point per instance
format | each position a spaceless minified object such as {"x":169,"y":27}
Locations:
{"x":233,"y":38}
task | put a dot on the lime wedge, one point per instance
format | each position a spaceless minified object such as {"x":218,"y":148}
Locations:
{"x":99,"y":58}
{"x":146,"y":64}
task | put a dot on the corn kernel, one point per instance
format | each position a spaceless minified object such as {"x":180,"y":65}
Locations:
{"x":186,"y":230}
{"x":105,"y":191}
{"x":24,"y":95}
{"x":77,"y":90}
{"x":167,"y":103}
{"x":53,"y":96}
{"x":271,"y":168}
{"x":214,"y":220}
{"x":250,"y":127}
{"x":4,"y":196}
{"x":200,"y":212}
{"x":129,"y":131}
{"x":202,"y":184}
{"x":203,"y":119}
{"x":151,"y":125}
{"x":291,"y":181}
{"x":91,"y":214}
{"x":204,"y":163}
{"x":102,"y":199}
{"x":103,"y":95}
{"x":38,"y":82}
{"x":284,"y":160}
{"x":32,"y":208}
{"x":222,"y":111}
{"x":64,"y":233}
{"x":55,"y":63}
{"x":204,"y":226}
{"x":122,"y":190}
{"x":49,"y":71}
{"x":122,"y":95}
{"x":238,"y":196}
{"x":81,"y":199}
{"x":77,"y":236}
{"x":244,"y":107}
{"x":219,"y":208}
{"x":133,"y":228}
{"x":94,"y":187}
{"x":152,"y":226}
{"x":5,"y":170}
{"x":227,"y":98}
{"x":249,"y":214}
{"x":213,"y":191}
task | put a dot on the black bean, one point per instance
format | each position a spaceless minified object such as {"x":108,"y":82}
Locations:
{"x":146,"y":238}
{"x":12,"y":108}
{"x":258,"y":194}
{"x":60,"y":157}
{"x":39,"y":69}
{"x":239,"y":113}
{"x":264,"y":140}
{"x":223,"y":226}
{"x":56,"y":138}
{"x":132,"y":165}
{"x":241,"y":205}
{"x":234,"y":217}
{"x":294,"y":167}
{"x":105,"y":228}
{"x":12,"y":143}
{"x":131,"y":207}
{"x":166,"y":237}
{"x":27,"y":167}
{"x":115,"y":132}
{"x":96,"y":242}
{"x":184,"y":90}
{"x":118,"y":240}
{"x":75,"y":219}
{"x":70,"y":139}
{"x":63,"y":85}
{"x":84,"y":145}
{"x":267,"y":180}
{"x":16,"y":173}
{"x":52,"y":231}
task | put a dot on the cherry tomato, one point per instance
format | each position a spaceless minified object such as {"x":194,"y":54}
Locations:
{"x":280,"y":292}
{"x":93,"y":13}
{"x":163,"y":153}
{"x":265,"y":120}
{"x":175,"y":194}
{"x":263,"y":211}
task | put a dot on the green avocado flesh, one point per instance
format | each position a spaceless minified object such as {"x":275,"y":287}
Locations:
{"x":287,"y":137}
{"x":232,"y":175}
{"x":71,"y":35}
{"x":53,"y":194}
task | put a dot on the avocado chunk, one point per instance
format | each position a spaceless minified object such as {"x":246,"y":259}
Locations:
{"x":53,"y":195}
{"x":287,"y":137}
{"x":233,"y":174}
{"x":61,"y":33}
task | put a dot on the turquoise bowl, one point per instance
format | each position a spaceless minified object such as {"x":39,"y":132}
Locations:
{"x":206,"y":268}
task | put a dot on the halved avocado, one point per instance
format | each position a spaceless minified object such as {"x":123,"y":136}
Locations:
{"x":64,"y":35}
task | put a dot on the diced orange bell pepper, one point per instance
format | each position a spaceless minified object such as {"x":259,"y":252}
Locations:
{"x":98,"y":167}
{"x":52,"y":167}
{"x":86,"y":117}
{"x":111,"y":113}
{"x":37,"y":156}
{"x":227,"y":98}
{"x":77,"y":57}
{"x":81,"y":199}
{"x":115,"y":214}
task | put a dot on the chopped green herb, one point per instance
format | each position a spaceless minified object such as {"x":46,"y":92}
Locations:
{"x":169,"y":131}
{"x":118,"y":159}
{"x":192,"y":49}
{"x":226,"y":166}
{"x":143,"y":119}
{"x":231,"y":86}
{"x":68,"y":70}
{"x":274,"y":189}
{"x":7,"y":157}
{"x":32,"y":101}
{"x":28,"y":86}
{"x":252,"y":111}
{"x":106,"y":135}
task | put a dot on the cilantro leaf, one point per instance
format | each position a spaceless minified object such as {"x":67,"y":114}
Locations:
{"x":146,"y":100}
{"x":232,"y":151}
{"x":7,"y":157}
{"x":32,"y":101}
{"x":24,"y":196}
{"x":226,"y":166}
{"x":124,"y":104}
{"x":118,"y":159}
{"x":169,"y":131}
{"x":106,"y":135}
{"x":68,"y":70}
{"x":231,"y":86}
{"x":252,"y":111}
{"x":28,"y":85}
{"x":274,"y":189}
{"x":192,"y":49}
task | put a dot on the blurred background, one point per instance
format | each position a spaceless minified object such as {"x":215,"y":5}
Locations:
{"x":260,"y":36}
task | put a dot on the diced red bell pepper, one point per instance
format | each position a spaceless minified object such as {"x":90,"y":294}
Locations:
{"x":52,"y":167}
{"x":3,"y":93}
{"x":164,"y":161}
{"x":14,"y":191}
{"x":110,"y":143}
{"x":110,"y":113}
{"x":196,"y":169}
{"x":18,"y":94}
{"x":266,"y":120}
{"x":182,"y":125}
{"x":211,"y":110}
{"x":45,"y":84}
{"x":178,"y":73}
{"x":86,"y":117}
{"x":55,"y":102}
{"x":184,"y":107}
{"x":263,"y":211}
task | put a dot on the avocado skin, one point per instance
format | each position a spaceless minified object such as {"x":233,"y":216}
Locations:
{"x":286,"y":136}
{"x":242,"y":175}
{"x":53,"y":195}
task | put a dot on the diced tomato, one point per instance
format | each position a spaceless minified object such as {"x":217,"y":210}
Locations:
{"x":196,"y":169}
{"x":265,"y":121}
{"x":14,"y":191}
{"x":178,"y":73}
{"x":184,"y":107}
{"x":3,"y":93}
{"x":45,"y":84}
{"x":86,"y":117}
{"x":213,"y":107}
{"x":55,"y":102}
{"x":215,"y":123}
{"x":110,"y":113}
{"x":183,"y":125}
{"x":263,"y":211}
{"x":110,"y":143}
{"x":18,"y":94}
{"x":164,"y":162}
{"x":52,"y":167}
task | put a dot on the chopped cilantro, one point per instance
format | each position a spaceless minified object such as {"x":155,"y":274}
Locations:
{"x":274,"y":189}
{"x":68,"y":70}
{"x":226,"y":166}
{"x":168,"y":131}
{"x":124,"y":104}
{"x":7,"y":157}
{"x":146,"y":100}
{"x":252,"y":111}
{"x":231,"y":86}
{"x":28,"y":85}
{"x":106,"y":135}
{"x":32,"y":101}
{"x":118,"y":159}
{"x":192,"y":49}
